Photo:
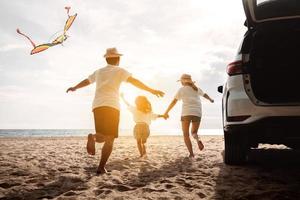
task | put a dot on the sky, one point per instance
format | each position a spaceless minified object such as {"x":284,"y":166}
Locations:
{"x":160,"y":41}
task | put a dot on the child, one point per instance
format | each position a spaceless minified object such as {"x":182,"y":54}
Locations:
{"x":190,"y":94}
{"x":142,"y":116}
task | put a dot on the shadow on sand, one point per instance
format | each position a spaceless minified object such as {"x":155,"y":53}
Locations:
{"x":70,"y":185}
{"x":269,"y":174}
{"x":150,"y":178}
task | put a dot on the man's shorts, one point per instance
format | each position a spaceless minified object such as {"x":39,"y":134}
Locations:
{"x":141,"y":131}
{"x":107,"y":121}
{"x":191,"y":118}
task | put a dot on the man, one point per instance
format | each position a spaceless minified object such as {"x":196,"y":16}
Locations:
{"x":106,"y":106}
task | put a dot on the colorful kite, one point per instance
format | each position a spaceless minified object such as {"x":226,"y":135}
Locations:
{"x":58,"y":40}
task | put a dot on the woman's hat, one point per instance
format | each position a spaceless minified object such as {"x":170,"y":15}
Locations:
{"x":186,"y":78}
{"x":112,"y":53}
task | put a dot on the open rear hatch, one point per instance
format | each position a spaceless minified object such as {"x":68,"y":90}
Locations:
{"x":260,"y":11}
{"x":274,"y":64}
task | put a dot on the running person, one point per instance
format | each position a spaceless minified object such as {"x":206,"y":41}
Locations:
{"x":191,"y":113}
{"x":106,"y":106}
{"x":142,"y":116}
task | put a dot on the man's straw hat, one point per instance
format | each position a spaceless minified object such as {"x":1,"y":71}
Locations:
{"x":112,"y":53}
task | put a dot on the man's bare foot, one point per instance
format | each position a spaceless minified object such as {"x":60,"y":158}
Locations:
{"x":191,"y":156}
{"x":145,"y":156}
{"x":90,"y":145}
{"x":101,"y":171}
{"x":200,"y":145}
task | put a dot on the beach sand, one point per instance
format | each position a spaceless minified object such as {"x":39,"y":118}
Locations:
{"x":59,"y":168}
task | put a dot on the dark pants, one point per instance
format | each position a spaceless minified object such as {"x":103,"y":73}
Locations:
{"x":107,"y":121}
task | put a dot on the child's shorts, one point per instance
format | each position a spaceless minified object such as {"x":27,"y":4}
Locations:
{"x":141,"y":131}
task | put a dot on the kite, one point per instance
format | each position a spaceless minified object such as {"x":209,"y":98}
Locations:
{"x":58,"y":40}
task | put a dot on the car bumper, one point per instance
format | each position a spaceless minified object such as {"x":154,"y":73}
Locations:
{"x":273,"y":130}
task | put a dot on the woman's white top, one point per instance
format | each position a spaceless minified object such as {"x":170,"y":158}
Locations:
{"x":141,"y":117}
{"x":191,"y":102}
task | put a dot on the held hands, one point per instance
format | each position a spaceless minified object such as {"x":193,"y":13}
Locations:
{"x":72,"y":89}
{"x":165,"y":116}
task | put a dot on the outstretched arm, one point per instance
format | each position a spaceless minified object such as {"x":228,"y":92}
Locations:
{"x":172,"y":104}
{"x":137,"y":83}
{"x":208,"y":98}
{"x":82,"y":84}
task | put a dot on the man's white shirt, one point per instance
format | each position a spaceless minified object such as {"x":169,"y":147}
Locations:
{"x":108,"y":80}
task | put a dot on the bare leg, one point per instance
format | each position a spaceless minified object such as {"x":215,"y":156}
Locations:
{"x":144,"y":147}
{"x":139,"y":145}
{"x":106,"y":151}
{"x":195,"y":127}
{"x":90,"y":145}
{"x":99,"y":138}
{"x":185,"y":129}
{"x":92,"y":138}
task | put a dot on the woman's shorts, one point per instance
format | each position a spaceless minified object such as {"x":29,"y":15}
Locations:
{"x":107,"y":121}
{"x":141,"y":131}
{"x":190,"y":118}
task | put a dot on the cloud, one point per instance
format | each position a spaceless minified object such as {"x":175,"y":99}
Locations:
{"x":160,"y":41}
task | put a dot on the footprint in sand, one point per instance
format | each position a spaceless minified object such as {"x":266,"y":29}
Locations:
{"x":187,"y":185}
{"x":98,"y":191}
{"x":199,"y":159}
{"x":208,"y":184}
{"x":178,"y":198}
{"x":9,"y":185}
{"x":106,"y":192}
{"x":32,"y":180}
{"x":123,"y":188}
{"x":165,"y":181}
{"x":20,"y":173}
{"x":61,"y":169}
{"x":190,"y":178}
{"x":153,"y":190}
{"x":70,"y":193}
{"x":201,"y":195}
{"x":169,"y":186}
{"x":138,"y":185}
{"x":184,"y":183}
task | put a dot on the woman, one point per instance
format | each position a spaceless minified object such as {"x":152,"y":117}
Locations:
{"x":191,"y":113}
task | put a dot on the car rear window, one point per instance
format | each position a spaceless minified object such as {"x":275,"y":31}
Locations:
{"x":267,"y":9}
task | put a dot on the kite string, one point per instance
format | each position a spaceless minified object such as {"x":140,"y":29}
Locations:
{"x":18,"y":31}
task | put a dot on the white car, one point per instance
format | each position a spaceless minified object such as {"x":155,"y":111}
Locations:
{"x":261,"y":98}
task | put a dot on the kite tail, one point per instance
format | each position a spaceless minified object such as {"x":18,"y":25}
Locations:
{"x":68,"y":10}
{"x":18,"y":31}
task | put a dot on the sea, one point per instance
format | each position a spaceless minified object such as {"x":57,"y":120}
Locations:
{"x":84,"y":132}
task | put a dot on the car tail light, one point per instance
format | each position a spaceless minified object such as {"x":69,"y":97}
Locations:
{"x":235,"y":68}
{"x":238,"y":118}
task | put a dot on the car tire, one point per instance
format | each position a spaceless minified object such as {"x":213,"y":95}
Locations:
{"x":236,"y":148}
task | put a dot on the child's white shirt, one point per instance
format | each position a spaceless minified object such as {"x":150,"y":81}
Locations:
{"x":141,"y":117}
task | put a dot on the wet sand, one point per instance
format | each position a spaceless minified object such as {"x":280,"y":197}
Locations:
{"x":59,"y":168}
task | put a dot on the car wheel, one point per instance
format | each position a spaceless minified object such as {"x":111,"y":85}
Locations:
{"x":236,"y":148}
